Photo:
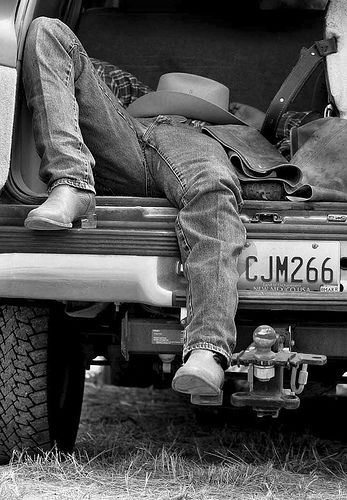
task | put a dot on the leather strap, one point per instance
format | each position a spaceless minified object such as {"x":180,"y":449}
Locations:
{"x":308,"y":61}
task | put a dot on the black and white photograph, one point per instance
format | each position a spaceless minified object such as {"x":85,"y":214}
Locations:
{"x":173,"y":250}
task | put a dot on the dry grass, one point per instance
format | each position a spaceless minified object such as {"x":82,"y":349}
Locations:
{"x":148,"y":444}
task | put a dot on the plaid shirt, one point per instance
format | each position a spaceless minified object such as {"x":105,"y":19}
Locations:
{"x":127,"y":88}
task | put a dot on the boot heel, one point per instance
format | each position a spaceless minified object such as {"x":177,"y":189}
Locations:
{"x":198,"y":399}
{"x":86,"y":222}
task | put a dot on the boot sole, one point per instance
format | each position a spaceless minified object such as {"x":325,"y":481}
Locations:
{"x":193,"y":384}
{"x":43,"y":224}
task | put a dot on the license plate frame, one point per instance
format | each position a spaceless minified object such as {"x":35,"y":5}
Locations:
{"x":290,"y":266}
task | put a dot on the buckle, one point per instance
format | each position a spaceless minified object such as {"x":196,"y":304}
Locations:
{"x":329,"y":110}
{"x":326,"y":47}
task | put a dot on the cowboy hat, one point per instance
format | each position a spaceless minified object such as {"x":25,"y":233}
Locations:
{"x":187,"y":95}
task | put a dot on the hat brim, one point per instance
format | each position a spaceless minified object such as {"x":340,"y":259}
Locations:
{"x":168,"y":102}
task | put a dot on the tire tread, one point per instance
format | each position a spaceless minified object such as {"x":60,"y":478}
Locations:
{"x":23,"y":380}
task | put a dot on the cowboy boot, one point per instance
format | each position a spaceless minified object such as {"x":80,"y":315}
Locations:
{"x":64,"y":205}
{"x":202,"y":374}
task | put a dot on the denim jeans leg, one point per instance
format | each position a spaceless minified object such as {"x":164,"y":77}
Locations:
{"x":195,"y":174}
{"x":77,"y":120}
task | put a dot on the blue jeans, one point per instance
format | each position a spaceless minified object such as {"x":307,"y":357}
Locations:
{"x":87,"y":139}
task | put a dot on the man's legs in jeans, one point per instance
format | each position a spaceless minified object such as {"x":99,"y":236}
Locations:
{"x":77,"y":119}
{"x":197,"y":178}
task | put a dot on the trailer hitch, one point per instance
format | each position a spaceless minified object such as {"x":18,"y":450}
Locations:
{"x":266,"y":360}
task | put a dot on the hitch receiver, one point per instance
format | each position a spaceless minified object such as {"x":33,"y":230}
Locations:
{"x":266,"y":360}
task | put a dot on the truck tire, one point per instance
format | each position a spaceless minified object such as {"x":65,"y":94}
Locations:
{"x":31,"y":387}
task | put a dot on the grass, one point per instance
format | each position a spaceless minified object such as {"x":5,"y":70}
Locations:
{"x":151,"y":444}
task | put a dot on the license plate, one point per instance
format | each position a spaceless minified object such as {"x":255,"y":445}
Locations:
{"x":290,"y":266}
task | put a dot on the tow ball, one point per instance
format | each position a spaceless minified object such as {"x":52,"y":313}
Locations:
{"x":266,"y":360}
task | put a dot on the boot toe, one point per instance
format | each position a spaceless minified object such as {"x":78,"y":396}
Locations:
{"x":201,"y":375}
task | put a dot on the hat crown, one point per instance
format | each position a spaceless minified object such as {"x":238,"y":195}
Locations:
{"x":198,"y":86}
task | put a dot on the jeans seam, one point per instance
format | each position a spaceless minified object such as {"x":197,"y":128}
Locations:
{"x":85,"y":174}
{"x":190,"y":311}
{"x":68,"y":74}
{"x":181,"y":234}
{"x":146,"y":140}
{"x":147,"y":172}
{"x":147,"y":181}
{"x":187,"y":250}
{"x":80,"y":144}
{"x":128,"y":122}
{"x":172,"y":168}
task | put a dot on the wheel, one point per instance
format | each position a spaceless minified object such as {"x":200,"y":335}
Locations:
{"x":41,"y":389}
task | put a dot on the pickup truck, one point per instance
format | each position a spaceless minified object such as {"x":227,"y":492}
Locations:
{"x":117,"y":290}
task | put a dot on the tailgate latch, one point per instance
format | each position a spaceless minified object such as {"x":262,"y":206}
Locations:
{"x":267,"y":217}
